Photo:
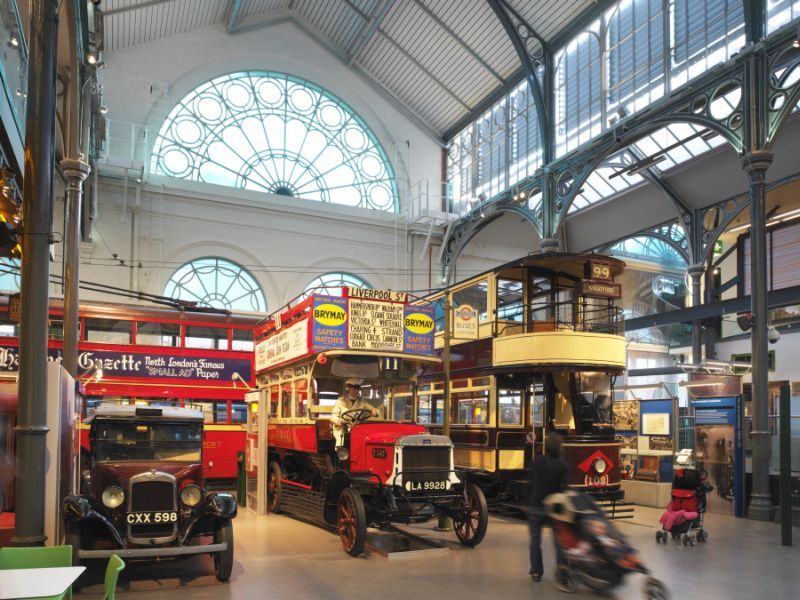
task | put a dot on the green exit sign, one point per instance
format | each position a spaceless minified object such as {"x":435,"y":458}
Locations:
{"x":748,"y":358}
{"x":718,"y":247}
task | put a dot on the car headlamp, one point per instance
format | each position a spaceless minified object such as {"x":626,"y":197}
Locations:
{"x":600,"y":466}
{"x":343,"y":453}
{"x":191,"y":495}
{"x":113,"y":496}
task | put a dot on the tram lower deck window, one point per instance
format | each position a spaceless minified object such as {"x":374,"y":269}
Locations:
{"x":473,"y":407}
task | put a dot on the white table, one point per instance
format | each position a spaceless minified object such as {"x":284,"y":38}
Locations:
{"x":32,"y":583}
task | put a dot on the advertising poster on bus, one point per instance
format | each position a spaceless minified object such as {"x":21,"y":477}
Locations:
{"x":329,"y":323}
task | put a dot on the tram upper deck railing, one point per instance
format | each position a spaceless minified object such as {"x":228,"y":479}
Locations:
{"x":569,"y":315}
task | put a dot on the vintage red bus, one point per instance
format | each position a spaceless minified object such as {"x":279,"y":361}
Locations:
{"x":380,"y":471}
{"x":146,"y":356}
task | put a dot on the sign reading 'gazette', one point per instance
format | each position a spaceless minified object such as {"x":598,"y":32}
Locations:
{"x":375,"y":326}
{"x":143,"y":364}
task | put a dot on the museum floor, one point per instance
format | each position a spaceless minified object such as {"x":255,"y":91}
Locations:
{"x":278,"y":557}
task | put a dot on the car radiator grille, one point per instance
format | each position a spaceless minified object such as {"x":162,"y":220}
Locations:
{"x":152,"y":496}
{"x":421,"y":463}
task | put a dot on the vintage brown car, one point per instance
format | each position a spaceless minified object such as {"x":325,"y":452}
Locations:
{"x":143,"y":494}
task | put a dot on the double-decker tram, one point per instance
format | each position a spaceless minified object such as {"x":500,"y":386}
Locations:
{"x":536,"y":346}
{"x":385,"y":469}
{"x":146,"y":356}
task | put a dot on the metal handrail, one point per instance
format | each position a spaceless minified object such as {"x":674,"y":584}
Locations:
{"x":579,"y":315}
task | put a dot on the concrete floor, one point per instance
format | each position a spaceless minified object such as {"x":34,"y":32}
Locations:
{"x":278,"y":557}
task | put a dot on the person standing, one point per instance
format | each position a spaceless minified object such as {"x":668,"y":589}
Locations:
{"x":548,"y":475}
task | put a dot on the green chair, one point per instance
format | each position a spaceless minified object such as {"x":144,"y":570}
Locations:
{"x":115,"y":565}
{"x":37,"y":557}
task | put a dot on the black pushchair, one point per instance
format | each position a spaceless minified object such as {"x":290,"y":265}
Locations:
{"x":597,"y":554}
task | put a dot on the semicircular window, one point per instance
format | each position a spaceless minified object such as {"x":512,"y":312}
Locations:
{"x":331,"y":284}
{"x":275,"y":133}
{"x":650,"y":249}
{"x":216,"y":283}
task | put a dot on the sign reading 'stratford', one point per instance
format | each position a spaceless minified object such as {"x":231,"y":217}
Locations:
{"x":596,"y":289}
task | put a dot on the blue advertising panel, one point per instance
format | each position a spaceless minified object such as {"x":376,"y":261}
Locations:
{"x":328,"y":323}
{"x":418,"y":329}
{"x":133,"y":363}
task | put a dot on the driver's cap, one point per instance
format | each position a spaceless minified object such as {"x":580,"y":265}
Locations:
{"x":354,"y":381}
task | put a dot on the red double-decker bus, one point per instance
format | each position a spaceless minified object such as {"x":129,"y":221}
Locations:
{"x":131,"y":354}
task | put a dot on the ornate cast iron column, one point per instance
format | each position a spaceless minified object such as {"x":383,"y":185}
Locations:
{"x":37,"y":196}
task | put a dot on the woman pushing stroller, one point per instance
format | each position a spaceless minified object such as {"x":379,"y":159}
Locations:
{"x":548,"y":475}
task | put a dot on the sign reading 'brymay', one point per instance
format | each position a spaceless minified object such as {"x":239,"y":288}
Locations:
{"x":141,"y":364}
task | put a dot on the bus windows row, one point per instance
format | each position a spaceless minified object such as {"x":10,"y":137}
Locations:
{"x":148,"y":333}
{"x":215,"y":412}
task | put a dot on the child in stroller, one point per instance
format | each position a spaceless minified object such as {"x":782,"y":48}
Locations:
{"x":598,"y":556}
{"x":683,"y":519}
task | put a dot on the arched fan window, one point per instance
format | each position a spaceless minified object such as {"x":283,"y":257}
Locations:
{"x":275,"y":133}
{"x":332,"y":284}
{"x":216,"y":283}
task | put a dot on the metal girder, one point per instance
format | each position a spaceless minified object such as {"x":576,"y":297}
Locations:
{"x":124,"y":9}
{"x":746,"y":100}
{"x":282,"y":15}
{"x":232,"y":14}
{"x":782,"y":297}
{"x":516,"y":200}
{"x":369,"y":28}
{"x":467,"y":48}
{"x":530,"y":48}
{"x":408,"y":55}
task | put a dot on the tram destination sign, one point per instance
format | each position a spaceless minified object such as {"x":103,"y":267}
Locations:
{"x":375,"y":325}
{"x":341,"y":323}
{"x":131,"y":363}
{"x":598,"y":289}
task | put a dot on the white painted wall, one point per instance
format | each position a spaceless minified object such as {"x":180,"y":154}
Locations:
{"x":284,"y":243}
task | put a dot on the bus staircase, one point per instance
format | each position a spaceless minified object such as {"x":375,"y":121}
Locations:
{"x":392,"y":542}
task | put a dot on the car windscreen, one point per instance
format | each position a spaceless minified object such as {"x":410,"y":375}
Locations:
{"x":142,"y":440}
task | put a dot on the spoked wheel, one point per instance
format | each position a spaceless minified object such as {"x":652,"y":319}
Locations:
{"x":223,"y":561}
{"x":351,"y":522}
{"x":471,"y":522}
{"x":655,"y":590}
{"x":274,"y":487}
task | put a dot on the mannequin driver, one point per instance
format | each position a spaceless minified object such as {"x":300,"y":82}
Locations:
{"x":351,"y":400}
